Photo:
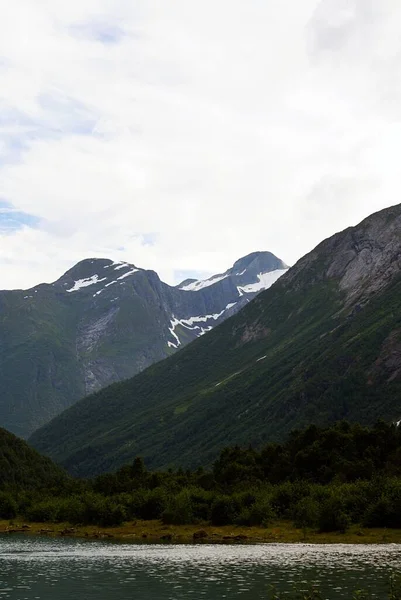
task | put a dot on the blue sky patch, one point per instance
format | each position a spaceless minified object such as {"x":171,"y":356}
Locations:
{"x":61,"y":116}
{"x":98,"y":31}
{"x":66,"y":115}
{"x":12,"y":219}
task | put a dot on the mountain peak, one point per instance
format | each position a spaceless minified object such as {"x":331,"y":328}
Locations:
{"x":323,"y":344}
{"x":246,"y":271}
{"x":94,"y":271}
{"x":266,"y":261}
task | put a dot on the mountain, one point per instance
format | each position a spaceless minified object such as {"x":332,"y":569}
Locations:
{"x":322,"y":344}
{"x":102,"y":322}
{"x":23,"y":467}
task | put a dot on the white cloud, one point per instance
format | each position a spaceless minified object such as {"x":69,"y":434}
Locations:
{"x":217,"y":127}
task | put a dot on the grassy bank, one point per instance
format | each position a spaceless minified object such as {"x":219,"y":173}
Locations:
{"x":155,"y":531}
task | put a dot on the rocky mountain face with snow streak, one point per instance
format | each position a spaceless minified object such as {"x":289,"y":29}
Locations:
{"x":322,"y":344}
{"x":102,"y":322}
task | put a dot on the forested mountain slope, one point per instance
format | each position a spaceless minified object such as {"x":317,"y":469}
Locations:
{"x":102,"y":322}
{"x":323,"y":343}
{"x":23,"y":467}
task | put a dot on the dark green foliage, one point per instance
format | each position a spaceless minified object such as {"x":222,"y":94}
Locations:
{"x":306,"y":513}
{"x":224,"y":510}
{"x":333,"y":516}
{"x":8,"y":506}
{"x":42,"y":512}
{"x":179,"y":510}
{"x":325,"y":358}
{"x":23,"y":467}
{"x":90,"y":509}
{"x":386,"y":510}
{"x":261,"y":512}
{"x":246,"y":486}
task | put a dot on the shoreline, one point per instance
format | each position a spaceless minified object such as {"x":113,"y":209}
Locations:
{"x":155,"y":532}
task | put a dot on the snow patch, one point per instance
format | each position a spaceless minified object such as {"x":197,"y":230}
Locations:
{"x":174,"y":322}
{"x":195,"y":286}
{"x":81,"y":283}
{"x":266,"y":280}
{"x":120,"y":265}
{"x":128,"y":273}
{"x":193,"y":324}
{"x":261,"y":358}
{"x":230,"y":305}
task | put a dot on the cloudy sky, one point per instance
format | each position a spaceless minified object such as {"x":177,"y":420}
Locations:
{"x":181,"y":134}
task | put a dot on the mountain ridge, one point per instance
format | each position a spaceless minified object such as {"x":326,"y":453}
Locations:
{"x":323,"y":343}
{"x":100,"y":322}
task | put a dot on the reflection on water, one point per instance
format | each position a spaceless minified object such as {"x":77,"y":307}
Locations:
{"x":37,"y":568}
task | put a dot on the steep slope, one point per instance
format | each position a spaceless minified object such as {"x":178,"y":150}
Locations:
{"x":323,"y":343}
{"x":23,"y":467}
{"x":102,"y":322}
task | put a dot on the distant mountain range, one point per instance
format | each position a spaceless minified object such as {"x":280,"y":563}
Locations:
{"x":102,"y":322}
{"x":322,"y":344}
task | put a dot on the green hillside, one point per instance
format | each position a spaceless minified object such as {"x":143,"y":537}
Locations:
{"x":322,"y":344}
{"x":21,"y":467}
{"x":104,"y":322}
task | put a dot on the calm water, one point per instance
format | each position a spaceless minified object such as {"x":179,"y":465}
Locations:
{"x":36,"y":568}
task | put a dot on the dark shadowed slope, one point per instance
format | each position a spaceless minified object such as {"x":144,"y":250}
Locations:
{"x":23,"y":467}
{"x":323,"y":343}
{"x":102,"y":322}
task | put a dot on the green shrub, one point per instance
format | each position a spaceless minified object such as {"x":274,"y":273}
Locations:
{"x":153,"y":505}
{"x":111,"y":514}
{"x":201,"y":501}
{"x":333,"y":516}
{"x":385,"y":512}
{"x":8,"y":506}
{"x":224,"y":510}
{"x":179,"y":510}
{"x":43,"y":512}
{"x":261,"y":512}
{"x":71,"y":510}
{"x":306,"y":513}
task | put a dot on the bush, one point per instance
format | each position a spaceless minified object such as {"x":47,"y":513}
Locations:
{"x":8,"y":506}
{"x":179,"y":510}
{"x":333,"y":516}
{"x":71,"y":510}
{"x":154,"y":503}
{"x":111,"y":514}
{"x":43,"y":512}
{"x":306,"y":513}
{"x":224,"y":510}
{"x":201,"y":501}
{"x":386,"y":510}
{"x":262,"y":512}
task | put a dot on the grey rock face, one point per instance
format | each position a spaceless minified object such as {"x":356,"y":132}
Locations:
{"x":102,"y":322}
{"x":362,"y":259}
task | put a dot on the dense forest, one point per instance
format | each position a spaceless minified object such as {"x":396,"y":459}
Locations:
{"x":322,"y":478}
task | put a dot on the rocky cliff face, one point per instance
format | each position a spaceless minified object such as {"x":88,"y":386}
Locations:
{"x":362,"y":259}
{"x":102,"y":322}
{"x":322,"y":344}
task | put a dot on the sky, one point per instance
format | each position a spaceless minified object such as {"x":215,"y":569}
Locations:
{"x":180,"y":135}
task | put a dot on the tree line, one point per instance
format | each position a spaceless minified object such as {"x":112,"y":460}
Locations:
{"x":325,"y":478}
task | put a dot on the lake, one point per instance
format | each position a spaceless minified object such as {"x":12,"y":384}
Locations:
{"x":37,"y":568}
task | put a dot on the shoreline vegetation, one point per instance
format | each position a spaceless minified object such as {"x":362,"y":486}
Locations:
{"x":324,"y":484}
{"x":154,"y":531}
